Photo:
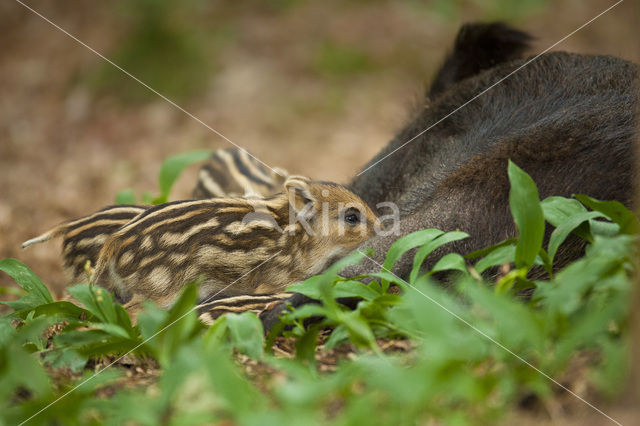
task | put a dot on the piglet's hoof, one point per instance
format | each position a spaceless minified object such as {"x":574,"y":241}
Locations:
{"x":271,"y":314}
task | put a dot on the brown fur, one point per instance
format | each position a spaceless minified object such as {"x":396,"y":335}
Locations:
{"x":232,"y":172}
{"x":82,"y":238}
{"x":235,"y":246}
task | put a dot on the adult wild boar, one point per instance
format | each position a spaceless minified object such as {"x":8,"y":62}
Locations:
{"x":568,"y":120}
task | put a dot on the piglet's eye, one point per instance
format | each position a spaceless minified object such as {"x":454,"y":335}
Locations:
{"x":352,"y":218}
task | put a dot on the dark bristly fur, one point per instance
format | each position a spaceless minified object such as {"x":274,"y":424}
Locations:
{"x":568,"y":120}
{"x":479,"y":47}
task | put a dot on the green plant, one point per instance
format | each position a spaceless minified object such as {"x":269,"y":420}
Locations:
{"x":170,"y":170}
{"x":465,"y":346}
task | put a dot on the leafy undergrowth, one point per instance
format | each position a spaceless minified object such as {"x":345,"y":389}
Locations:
{"x":465,"y":354}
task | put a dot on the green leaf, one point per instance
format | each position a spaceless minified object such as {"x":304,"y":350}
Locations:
{"x":558,"y":209}
{"x":450,"y":262}
{"x":570,"y":225}
{"x":59,"y":311}
{"x":113,"y":329}
{"x":507,"y":282}
{"x":359,"y":330}
{"x":147,"y":198}
{"x":499,"y":256}
{"x":164,"y":333}
{"x":309,"y":287}
{"x":486,"y":251}
{"x":388,"y":277}
{"x":25,"y":278}
{"x":354,"y":289}
{"x":66,"y":357}
{"x":320,"y":287}
{"x":429,"y":247}
{"x":615,"y":211}
{"x":306,"y":345}
{"x":338,"y":335}
{"x":171,"y":169}
{"x":126,"y":196}
{"x":246,"y":333}
{"x":18,"y":368}
{"x":406,"y":243}
{"x":527,"y":214}
{"x":97,"y":300}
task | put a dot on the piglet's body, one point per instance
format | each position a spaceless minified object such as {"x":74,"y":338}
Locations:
{"x":233,"y":246}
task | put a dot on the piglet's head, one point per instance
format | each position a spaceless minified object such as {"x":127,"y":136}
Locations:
{"x":331,"y":214}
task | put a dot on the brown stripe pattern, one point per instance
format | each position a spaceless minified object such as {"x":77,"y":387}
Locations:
{"x":82,"y":238}
{"x":232,"y":172}
{"x":210,"y":311}
{"x":232,"y":246}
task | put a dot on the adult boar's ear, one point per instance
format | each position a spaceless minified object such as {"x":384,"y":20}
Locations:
{"x":300,"y":195}
{"x":479,"y":46}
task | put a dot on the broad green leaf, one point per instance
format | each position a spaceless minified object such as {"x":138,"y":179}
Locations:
{"x":527,"y":214}
{"x":320,"y":287}
{"x":164,"y":334}
{"x":18,"y":368}
{"x":25,"y":278}
{"x":66,"y":357}
{"x":60,"y":311}
{"x":360,"y":332}
{"x":306,"y":311}
{"x":615,"y":211}
{"x":558,"y":209}
{"x":338,"y":335}
{"x":563,"y":230}
{"x":499,"y":256}
{"x":486,"y":251}
{"x":306,"y":345}
{"x":126,"y":196}
{"x":515,"y":323}
{"x":388,"y":277}
{"x":113,"y":329}
{"x":97,"y":300}
{"x":238,"y":394}
{"x":147,"y":198}
{"x":449,"y":262}
{"x":354,"y":289}
{"x":607,"y":259}
{"x":246,"y":334}
{"x":406,"y":243}
{"x":603,"y":229}
{"x":506,"y":283}
{"x":429,"y":247}
{"x":309,"y":287}
{"x":171,"y":169}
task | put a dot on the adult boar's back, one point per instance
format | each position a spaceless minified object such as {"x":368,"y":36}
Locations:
{"x":568,"y":120}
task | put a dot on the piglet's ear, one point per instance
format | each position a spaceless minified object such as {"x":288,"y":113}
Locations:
{"x":299,"y":193}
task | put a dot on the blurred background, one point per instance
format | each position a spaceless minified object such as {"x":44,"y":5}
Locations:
{"x":315,"y":87}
